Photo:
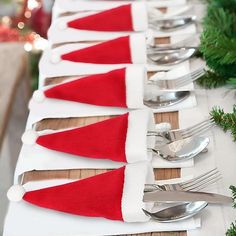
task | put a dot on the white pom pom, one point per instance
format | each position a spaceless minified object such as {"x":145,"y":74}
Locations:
{"x":62,"y":25}
{"x":38,"y":96}
{"x":15,"y":193}
{"x":163,"y":127}
{"x":29,"y":137}
{"x":55,"y":58}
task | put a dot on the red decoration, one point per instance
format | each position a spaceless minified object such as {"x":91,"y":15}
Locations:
{"x":102,"y":140}
{"x":116,"y":51}
{"x":97,"y":196}
{"x":107,"y":89}
{"x":120,"y":19}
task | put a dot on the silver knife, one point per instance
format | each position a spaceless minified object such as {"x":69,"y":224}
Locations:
{"x":181,"y":196}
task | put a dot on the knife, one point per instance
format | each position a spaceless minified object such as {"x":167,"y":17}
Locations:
{"x":181,"y":196}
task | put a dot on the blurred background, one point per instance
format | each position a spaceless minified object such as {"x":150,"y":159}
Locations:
{"x":23,"y":36}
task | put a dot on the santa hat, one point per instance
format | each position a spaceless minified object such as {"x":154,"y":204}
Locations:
{"x":123,"y":50}
{"x":117,"y":88}
{"x":121,"y":139}
{"x":130,"y":17}
{"x":115,"y":195}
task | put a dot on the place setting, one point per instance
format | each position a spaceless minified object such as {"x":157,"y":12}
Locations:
{"x":123,"y":136}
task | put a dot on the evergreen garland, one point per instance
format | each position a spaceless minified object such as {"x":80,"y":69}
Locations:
{"x":232,"y":230}
{"x":218,"y":43}
{"x":227,"y":121}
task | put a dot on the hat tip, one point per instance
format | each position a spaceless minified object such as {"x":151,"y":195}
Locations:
{"x":29,"y":137}
{"x":38,"y":96}
{"x":55,"y":58}
{"x":62,"y":25}
{"x":163,"y":127}
{"x":16,"y":193}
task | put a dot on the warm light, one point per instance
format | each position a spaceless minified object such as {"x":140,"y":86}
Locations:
{"x":27,"y":14}
{"x":40,"y":43}
{"x":32,"y":4}
{"x":21,"y":25}
{"x":6,"y":20}
{"x":28,"y":47}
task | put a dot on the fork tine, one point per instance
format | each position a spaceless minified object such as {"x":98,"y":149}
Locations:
{"x":208,"y":184}
{"x":200,"y":181}
{"x":204,"y":184}
{"x":197,"y":126}
{"x":194,"y":126}
{"x":200,"y":131}
{"x":189,"y":75}
{"x":199,"y":177}
{"x":190,"y":79}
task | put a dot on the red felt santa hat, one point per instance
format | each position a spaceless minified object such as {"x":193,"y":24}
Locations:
{"x":115,"y":195}
{"x":123,"y":50}
{"x":129,"y":17}
{"x":121,"y":139}
{"x":117,"y":88}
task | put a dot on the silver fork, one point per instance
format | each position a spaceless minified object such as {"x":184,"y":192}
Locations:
{"x":174,"y":135}
{"x":196,"y":184}
{"x":179,"y":82}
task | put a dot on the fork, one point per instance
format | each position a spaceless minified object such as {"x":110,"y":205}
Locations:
{"x":175,"y":135}
{"x":179,"y":82}
{"x":196,"y":184}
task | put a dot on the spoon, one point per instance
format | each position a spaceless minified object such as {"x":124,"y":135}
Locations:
{"x":171,"y":56}
{"x":183,"y":150}
{"x":178,"y":212}
{"x":167,"y":99}
{"x":173,"y":23}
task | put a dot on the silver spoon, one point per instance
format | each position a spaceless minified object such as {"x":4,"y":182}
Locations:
{"x":171,"y":56}
{"x":182,"y":150}
{"x":167,"y":99}
{"x":173,"y":23}
{"x":178,"y":212}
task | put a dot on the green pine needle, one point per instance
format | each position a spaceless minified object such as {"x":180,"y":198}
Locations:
{"x":233,"y":189}
{"x":227,"y":121}
{"x":211,"y":80}
{"x":218,"y":43}
{"x":232,"y":230}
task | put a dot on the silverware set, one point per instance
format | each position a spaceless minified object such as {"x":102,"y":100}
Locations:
{"x":182,"y":144}
{"x":172,"y":23}
{"x":178,"y":82}
{"x":184,"y":197}
{"x":196,"y":184}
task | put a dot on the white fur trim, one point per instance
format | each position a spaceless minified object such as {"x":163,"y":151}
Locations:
{"x":139,"y":16}
{"x":29,"y":137}
{"x":39,"y":96}
{"x":135,"y":78}
{"x":136,"y":176}
{"x":138,"y":48}
{"x":55,"y":58}
{"x":136,"y":138}
{"x":16,"y":193}
{"x":163,"y":127}
{"x":62,"y":25}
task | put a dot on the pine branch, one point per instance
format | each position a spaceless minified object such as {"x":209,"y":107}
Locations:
{"x":211,"y":80}
{"x":233,"y":189}
{"x":232,"y":230}
{"x":227,"y":121}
